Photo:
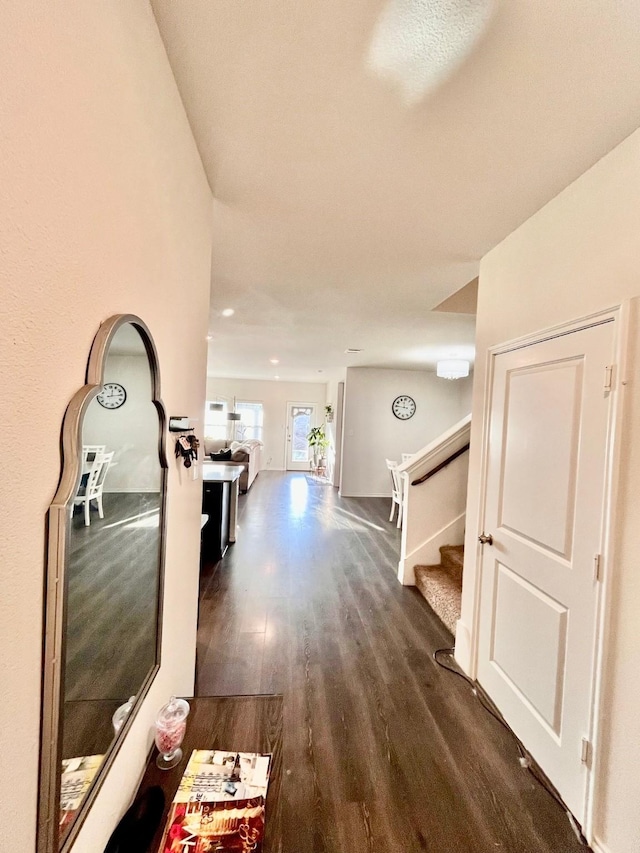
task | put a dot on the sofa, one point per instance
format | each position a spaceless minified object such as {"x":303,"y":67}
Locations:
{"x":247,"y":453}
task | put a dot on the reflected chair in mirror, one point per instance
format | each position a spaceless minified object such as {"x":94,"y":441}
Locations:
{"x":396,"y":491}
{"x":93,"y":489}
{"x":90,"y":451}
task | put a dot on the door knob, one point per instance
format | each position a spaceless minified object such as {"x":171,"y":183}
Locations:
{"x":485,"y":539}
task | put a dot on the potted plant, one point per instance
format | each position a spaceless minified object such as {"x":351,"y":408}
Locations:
{"x":318,"y":442}
{"x":328,"y":413}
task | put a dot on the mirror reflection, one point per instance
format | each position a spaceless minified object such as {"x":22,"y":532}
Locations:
{"x":113,"y":571}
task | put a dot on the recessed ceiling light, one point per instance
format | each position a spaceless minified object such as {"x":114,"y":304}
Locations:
{"x":274,"y":360}
{"x":276,"y":377}
{"x":209,"y":337}
{"x":352,"y":350}
{"x":228,"y":312}
{"x":319,"y":371}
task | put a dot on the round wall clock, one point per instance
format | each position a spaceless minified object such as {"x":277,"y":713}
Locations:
{"x":112,"y":395}
{"x":404,"y":407}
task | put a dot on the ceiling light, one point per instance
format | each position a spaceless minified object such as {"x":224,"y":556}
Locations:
{"x":276,"y":377}
{"x":234,"y":416}
{"x":209,"y":337}
{"x":452,"y":368}
{"x":228,"y":312}
{"x":274,"y":360}
{"x":216,"y":407}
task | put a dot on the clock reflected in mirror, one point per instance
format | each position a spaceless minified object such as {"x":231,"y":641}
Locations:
{"x":112,"y":396}
{"x":404,"y":407}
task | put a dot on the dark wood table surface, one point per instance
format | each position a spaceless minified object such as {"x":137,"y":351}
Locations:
{"x":235,"y":723}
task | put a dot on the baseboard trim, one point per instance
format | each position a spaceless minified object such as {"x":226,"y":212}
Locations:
{"x":428,"y":552}
{"x":463,"y":647}
{"x":368,"y":495}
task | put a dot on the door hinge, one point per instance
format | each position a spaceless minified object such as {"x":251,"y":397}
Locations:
{"x":608,"y":377}
{"x":597,"y":567}
{"x":585,"y":751}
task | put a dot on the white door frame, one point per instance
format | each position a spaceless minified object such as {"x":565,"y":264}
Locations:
{"x":620,"y":314}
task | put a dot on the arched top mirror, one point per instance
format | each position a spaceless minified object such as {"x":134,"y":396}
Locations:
{"x":104,"y":574}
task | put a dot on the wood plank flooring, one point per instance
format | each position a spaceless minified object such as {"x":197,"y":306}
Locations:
{"x":111,"y":616}
{"x":112,"y":599}
{"x":382,"y":749}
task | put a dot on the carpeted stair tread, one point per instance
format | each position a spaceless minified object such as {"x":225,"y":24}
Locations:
{"x":442,"y":588}
{"x":452,"y":557}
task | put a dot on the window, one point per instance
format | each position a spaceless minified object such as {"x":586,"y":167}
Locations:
{"x":215,"y":419}
{"x":250,"y":425}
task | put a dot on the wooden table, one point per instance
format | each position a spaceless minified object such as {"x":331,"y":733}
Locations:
{"x":220,"y":503}
{"x":234,"y":723}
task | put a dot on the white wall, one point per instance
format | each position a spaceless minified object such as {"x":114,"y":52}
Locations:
{"x":105,"y":209}
{"x":372,"y":433}
{"x":131,"y":431}
{"x":465,"y":388}
{"x":333,"y":429}
{"x":576,"y":256}
{"x":274,"y":395}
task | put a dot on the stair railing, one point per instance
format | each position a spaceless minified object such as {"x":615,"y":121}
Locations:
{"x":439,"y":467}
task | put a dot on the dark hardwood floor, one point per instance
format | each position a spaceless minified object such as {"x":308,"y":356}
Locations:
{"x":382,"y":749}
{"x":111,"y":616}
{"x":112,"y":598}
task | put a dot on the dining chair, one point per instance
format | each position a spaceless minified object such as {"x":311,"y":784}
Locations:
{"x":92,"y":490}
{"x":89,"y":451}
{"x":396,"y":491}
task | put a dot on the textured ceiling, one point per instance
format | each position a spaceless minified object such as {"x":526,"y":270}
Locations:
{"x":364,"y":155}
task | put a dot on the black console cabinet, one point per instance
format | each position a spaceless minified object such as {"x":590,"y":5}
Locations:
{"x":219,"y":503}
{"x":215,"y":533}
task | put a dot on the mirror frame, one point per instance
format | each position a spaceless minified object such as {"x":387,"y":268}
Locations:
{"x":55,"y":610}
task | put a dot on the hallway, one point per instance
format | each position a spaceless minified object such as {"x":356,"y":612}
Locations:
{"x":383,"y":750}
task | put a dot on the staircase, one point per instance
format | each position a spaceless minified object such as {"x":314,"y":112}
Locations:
{"x":434,"y":499}
{"x":442,"y":585}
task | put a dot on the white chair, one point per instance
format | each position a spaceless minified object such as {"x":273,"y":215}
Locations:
{"x":407,"y":456}
{"x":94,"y":486}
{"x":396,"y":491}
{"x":90,"y":451}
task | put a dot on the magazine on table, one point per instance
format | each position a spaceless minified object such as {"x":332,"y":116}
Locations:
{"x":220,"y":804}
{"x":77,"y":776}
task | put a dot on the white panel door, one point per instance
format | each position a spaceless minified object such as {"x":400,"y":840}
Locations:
{"x":544,"y":507}
{"x":300,"y":418}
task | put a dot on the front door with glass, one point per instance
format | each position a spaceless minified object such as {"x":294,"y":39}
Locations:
{"x":301,"y":417}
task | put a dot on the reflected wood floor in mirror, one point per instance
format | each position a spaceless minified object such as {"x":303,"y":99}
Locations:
{"x":113,"y":581}
{"x":383,"y":750}
{"x":87,"y":728}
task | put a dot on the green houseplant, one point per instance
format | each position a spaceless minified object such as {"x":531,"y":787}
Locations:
{"x":318,"y":442}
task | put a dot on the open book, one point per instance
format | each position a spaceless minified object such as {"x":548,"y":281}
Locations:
{"x":220,"y":804}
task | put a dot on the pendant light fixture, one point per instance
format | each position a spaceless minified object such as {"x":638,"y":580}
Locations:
{"x":452,"y":368}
